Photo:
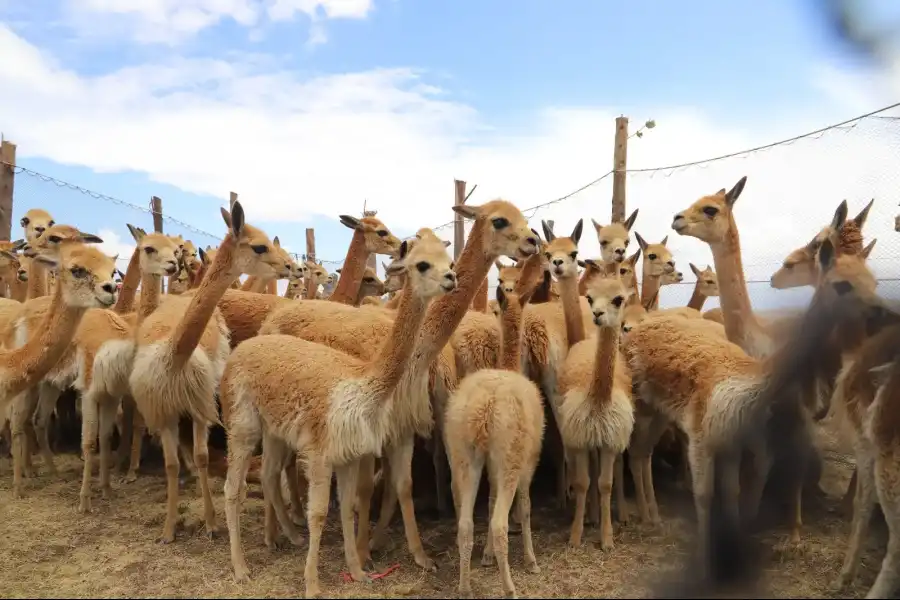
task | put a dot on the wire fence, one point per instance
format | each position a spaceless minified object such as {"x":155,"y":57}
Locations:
{"x":793,"y":187}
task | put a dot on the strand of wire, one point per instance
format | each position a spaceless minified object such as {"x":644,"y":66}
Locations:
{"x":669,"y":170}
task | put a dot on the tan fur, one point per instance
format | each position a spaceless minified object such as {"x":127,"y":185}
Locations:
{"x":595,"y":407}
{"x":336,"y":409}
{"x":86,"y":280}
{"x":181,"y":352}
{"x":495,"y":418}
{"x":709,"y":386}
{"x":613,"y":238}
{"x":370,"y":236}
{"x":658,"y":262}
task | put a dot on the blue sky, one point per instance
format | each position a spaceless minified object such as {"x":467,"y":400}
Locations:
{"x":306,"y":113}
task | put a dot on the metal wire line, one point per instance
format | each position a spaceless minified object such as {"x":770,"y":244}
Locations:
{"x":846,"y":125}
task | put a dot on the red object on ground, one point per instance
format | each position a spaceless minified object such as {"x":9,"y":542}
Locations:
{"x":348,"y":579}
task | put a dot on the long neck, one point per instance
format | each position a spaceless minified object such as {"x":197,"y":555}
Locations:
{"x":391,"y":360}
{"x":125,"y":301}
{"x":359,"y":297}
{"x":697,"y":298}
{"x":511,"y":333}
{"x":394,"y":302}
{"x":150,"y":291}
{"x":18,"y":290}
{"x":203,"y":303}
{"x":649,"y":287}
{"x":741,"y":326}
{"x":571,"y":303}
{"x":37,"y":280}
{"x":600,"y":392}
{"x":354,"y":269}
{"x":31,"y":362}
{"x":272,"y":287}
{"x":584,"y":280}
{"x":480,"y":302}
{"x":448,"y":310}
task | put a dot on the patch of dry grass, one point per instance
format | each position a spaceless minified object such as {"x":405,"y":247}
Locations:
{"x":49,"y":550}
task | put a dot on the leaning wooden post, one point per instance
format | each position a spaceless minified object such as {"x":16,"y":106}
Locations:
{"x":371,"y":262}
{"x":311,"y":286}
{"x":7,"y":187}
{"x":156,"y":211}
{"x":620,"y":160}
{"x":480,"y":301}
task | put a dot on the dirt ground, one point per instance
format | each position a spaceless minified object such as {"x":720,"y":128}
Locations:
{"x":49,"y":550}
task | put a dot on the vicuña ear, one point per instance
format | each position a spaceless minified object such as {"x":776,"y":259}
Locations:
{"x":868,"y":249}
{"x":499,"y":265}
{"x":446,"y":243}
{"x":90,"y":238}
{"x":9,"y":255}
{"x":860,"y":219}
{"x":634,"y":257}
{"x":734,"y":193}
{"x":235,"y":220}
{"x":827,"y":256}
{"x":350,"y":222}
{"x":276,"y":242}
{"x":641,"y":241}
{"x":469,"y":212}
{"x":548,"y":233}
{"x":135,"y":232}
{"x":629,"y":222}
{"x":18,"y":244}
{"x":695,"y":270}
{"x":840,"y":215}
{"x":404,"y":250}
{"x":204,"y":258}
{"x":576,"y":233}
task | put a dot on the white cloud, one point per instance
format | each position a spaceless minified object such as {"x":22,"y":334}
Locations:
{"x":173,"y":21}
{"x":114,"y":245}
{"x":319,"y":146}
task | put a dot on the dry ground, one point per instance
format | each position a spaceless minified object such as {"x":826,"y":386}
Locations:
{"x":48,"y":550}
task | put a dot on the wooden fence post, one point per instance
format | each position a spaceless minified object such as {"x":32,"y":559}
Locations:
{"x":7,"y":187}
{"x":310,"y":257}
{"x":480,"y":301}
{"x":232,"y":198}
{"x":372,"y":261}
{"x":620,"y":160}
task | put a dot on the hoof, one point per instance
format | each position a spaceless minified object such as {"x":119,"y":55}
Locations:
{"x":242,"y":575}
{"x":426,"y":563}
{"x":533,"y":568}
{"x":130,"y":478}
{"x":166,"y":539}
{"x":84,"y":506}
{"x":607,"y":546}
{"x":466,"y":594}
{"x":487,"y":560}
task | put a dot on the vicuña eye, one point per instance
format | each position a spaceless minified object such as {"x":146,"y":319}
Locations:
{"x":423,"y":266}
{"x":500,"y":222}
{"x":710,"y":211}
{"x":651,"y":256}
{"x":78,"y":272}
{"x":382,"y":233}
{"x":260,"y":248}
{"x":617,"y":301}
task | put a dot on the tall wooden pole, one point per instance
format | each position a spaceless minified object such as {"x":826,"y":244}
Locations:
{"x":459,"y":225}
{"x":7,"y":187}
{"x":156,"y":209}
{"x":311,"y":257}
{"x":620,"y":161}
{"x":371,"y":262}
{"x":232,"y":198}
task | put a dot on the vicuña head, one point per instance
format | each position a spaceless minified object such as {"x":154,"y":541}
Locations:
{"x":158,"y":252}
{"x":800,"y":267}
{"x":286,"y":267}
{"x":658,"y":260}
{"x":672,"y":278}
{"x":633,"y":314}
{"x":607,"y":296}
{"x":50,"y":238}
{"x":710,"y":218}
{"x":613,"y":238}
{"x":707,"y":282}
{"x":509,"y":234}
{"x":87,"y":276}
{"x":379,"y":239}
{"x":254,"y":254}
{"x":190,"y":258}
{"x":427,"y":266}
{"x":35,"y":222}
{"x":562,"y":252}
{"x":846,"y":279}
{"x":507,"y":275}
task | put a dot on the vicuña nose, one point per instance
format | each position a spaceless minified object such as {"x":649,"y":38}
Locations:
{"x":40,"y":229}
{"x":451,"y":276}
{"x":557,"y":262}
{"x":620,"y":251}
{"x":109,"y":288}
{"x":532,"y":241}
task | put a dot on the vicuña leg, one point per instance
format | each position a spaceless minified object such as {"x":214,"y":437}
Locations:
{"x":276,"y":455}
{"x":90,"y":429}
{"x":466,"y":477}
{"x":607,"y":468}
{"x":862,"y":512}
{"x":499,"y":532}
{"x":169,"y":437}
{"x":886,"y":480}
{"x":107,"y":413}
{"x":139,"y":428}
{"x":346,"y":478}
{"x":19,"y":417}
{"x":582,"y":476}
{"x":201,"y":460}
{"x":240,"y":450}
{"x":48,"y":395}
{"x":318,"y":474}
